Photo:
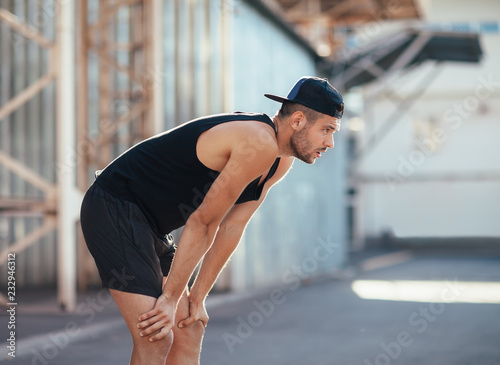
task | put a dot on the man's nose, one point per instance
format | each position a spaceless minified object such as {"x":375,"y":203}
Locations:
{"x":329,"y":142}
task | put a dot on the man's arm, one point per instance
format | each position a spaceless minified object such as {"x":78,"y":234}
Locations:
{"x":201,"y":227}
{"x":227,"y":239}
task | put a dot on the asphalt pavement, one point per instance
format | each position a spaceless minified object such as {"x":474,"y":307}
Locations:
{"x":398,"y":306}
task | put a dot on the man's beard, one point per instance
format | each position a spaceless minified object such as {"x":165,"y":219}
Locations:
{"x":301,"y":148}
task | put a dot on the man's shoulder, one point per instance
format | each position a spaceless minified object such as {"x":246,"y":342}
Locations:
{"x":244,"y":126}
{"x":248,"y":138}
{"x":253,"y":132}
{"x":235,"y":116}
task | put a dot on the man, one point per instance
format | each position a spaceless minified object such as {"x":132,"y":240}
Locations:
{"x":209,"y":175}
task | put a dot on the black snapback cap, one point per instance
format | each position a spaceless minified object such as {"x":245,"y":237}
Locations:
{"x":315,"y":93}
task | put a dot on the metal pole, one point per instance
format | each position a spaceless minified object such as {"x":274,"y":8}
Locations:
{"x":68,"y":201}
{"x":105,"y":11}
{"x":156,"y":11}
{"x":85,"y":261}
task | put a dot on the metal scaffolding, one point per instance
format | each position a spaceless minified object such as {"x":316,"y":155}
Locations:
{"x":81,"y":82}
{"x":59,"y":205}
{"x":115,"y":47}
{"x":125,"y":106}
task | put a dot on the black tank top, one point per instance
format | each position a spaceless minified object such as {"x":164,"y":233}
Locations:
{"x":164,"y":176}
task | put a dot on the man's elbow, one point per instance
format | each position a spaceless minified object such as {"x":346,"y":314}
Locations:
{"x":232,"y":226}
{"x":202,"y":224}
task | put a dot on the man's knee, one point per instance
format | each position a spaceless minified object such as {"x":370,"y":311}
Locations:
{"x":198,"y":330}
{"x":157,"y":347}
{"x":190,"y":336}
{"x":168,"y":340}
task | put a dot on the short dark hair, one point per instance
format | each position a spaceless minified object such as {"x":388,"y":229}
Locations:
{"x":288,"y":108}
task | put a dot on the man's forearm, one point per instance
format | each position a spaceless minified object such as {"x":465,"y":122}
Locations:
{"x":194,"y":242}
{"x":225,"y":243}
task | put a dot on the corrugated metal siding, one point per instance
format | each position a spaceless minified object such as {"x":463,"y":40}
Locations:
{"x":306,"y":209}
{"x":27,"y":135}
{"x":195,"y":56}
{"x":219,"y":56}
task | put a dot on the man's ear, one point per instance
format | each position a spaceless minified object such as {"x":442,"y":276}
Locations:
{"x":297,"y":120}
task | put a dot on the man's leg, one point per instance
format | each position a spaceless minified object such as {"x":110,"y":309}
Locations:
{"x":144,"y":352}
{"x":186,"y":348}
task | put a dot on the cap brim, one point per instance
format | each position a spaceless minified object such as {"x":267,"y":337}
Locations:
{"x":276,"y":98}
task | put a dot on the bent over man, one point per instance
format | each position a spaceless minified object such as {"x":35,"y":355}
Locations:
{"x":209,"y":175}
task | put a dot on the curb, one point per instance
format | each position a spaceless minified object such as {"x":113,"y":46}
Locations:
{"x":50,"y":344}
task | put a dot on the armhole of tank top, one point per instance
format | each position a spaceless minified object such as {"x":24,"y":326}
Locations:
{"x":267,"y":119}
{"x":272,"y":171}
{"x":196,"y":150}
{"x":263,"y":118}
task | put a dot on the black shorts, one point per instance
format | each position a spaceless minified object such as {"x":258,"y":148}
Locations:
{"x":130,"y":257}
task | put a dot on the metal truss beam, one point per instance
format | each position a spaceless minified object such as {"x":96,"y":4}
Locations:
{"x":60,"y":205}
{"x":139,"y":89}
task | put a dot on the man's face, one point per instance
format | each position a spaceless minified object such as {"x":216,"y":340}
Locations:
{"x":314,"y":139}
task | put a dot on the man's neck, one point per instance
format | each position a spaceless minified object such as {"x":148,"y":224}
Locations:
{"x":282,"y":136}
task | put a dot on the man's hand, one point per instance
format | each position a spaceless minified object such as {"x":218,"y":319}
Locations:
{"x":158,"y":322}
{"x":197,"y":312}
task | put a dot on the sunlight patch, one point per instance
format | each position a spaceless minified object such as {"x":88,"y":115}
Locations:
{"x":428,"y":291}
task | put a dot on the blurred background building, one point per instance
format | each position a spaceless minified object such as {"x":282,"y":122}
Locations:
{"x":82,"y":81}
{"x":425,"y":137}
